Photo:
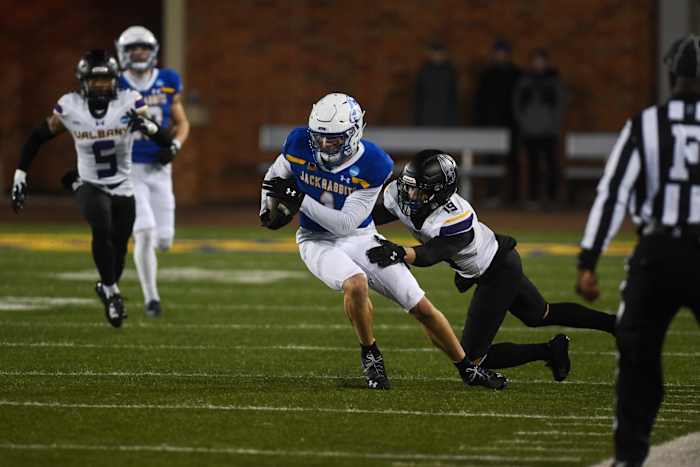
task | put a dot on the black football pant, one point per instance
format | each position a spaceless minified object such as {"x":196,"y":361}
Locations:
{"x":111,"y":220}
{"x":663,"y":275}
{"x":504,"y":287}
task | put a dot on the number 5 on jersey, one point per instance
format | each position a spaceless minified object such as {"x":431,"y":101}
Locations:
{"x":105,"y":153}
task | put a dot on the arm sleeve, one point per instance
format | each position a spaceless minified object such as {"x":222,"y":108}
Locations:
{"x":441,"y":248}
{"x":614,"y":188}
{"x":358,"y":206}
{"x":380,"y":214}
{"x":30,"y":148}
{"x":280,"y":168}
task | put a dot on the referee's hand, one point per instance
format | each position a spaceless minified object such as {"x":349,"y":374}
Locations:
{"x":587,"y":285}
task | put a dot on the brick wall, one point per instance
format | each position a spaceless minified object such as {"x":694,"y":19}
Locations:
{"x":258,"y":62}
{"x":40,"y":44}
{"x":254,"y":62}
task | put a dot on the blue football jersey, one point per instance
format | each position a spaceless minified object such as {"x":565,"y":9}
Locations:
{"x":158,"y":93}
{"x":332,"y":189}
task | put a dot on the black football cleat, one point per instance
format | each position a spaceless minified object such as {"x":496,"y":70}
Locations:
{"x":474,"y":375}
{"x":153,"y":309}
{"x":115,"y":311}
{"x":101,"y":293}
{"x":374,"y":371}
{"x":560,"y":364}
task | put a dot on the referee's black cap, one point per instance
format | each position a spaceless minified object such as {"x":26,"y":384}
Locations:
{"x":683,"y":58}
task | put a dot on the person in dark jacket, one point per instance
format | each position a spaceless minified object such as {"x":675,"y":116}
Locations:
{"x":436,"y":89}
{"x":538,"y":106}
{"x":493,"y":107}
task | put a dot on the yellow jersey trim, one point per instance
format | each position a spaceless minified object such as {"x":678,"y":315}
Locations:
{"x":296,"y":160}
{"x":361,"y":182}
{"x":456,"y":218}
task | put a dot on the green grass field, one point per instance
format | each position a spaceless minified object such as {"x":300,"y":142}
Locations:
{"x":254,"y":363}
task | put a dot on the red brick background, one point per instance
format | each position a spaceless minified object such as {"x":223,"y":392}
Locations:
{"x":255,"y":62}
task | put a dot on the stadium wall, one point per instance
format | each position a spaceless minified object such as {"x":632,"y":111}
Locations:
{"x":267,"y":61}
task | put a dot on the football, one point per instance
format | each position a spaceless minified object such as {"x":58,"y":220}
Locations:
{"x":278,"y":214}
{"x":274,"y":205}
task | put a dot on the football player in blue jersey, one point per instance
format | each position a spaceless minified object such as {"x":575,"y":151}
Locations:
{"x":333,"y":177}
{"x":154,"y":227}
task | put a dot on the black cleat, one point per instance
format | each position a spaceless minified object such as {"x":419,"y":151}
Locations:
{"x":373,"y":369}
{"x":474,"y":375}
{"x":101,"y":293}
{"x":153,"y":309}
{"x":115,"y":310}
{"x":560,"y":364}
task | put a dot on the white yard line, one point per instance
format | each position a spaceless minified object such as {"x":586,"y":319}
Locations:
{"x":552,"y":442}
{"x":284,"y":327}
{"x":175,"y":374}
{"x":301,"y":376}
{"x":242,"y":451}
{"x":560,"y":433}
{"x":70,"y":344}
{"x":252,"y":408}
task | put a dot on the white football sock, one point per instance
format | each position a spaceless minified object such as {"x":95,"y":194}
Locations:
{"x":110,"y":290}
{"x":146,"y":263}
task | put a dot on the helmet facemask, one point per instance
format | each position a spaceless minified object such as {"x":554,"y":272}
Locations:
{"x":332,"y":149}
{"x":137,"y":49}
{"x":426,"y":184}
{"x":97,"y":73}
{"x":141,"y":56}
{"x":415,"y":199}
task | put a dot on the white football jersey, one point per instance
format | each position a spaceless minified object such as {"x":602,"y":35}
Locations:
{"x":456,"y":217}
{"x":103,"y":145}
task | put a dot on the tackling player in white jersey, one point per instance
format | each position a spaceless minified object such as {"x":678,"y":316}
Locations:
{"x":102,"y":122}
{"x":154,"y":227}
{"x":425,"y":200}
{"x":333,"y":176}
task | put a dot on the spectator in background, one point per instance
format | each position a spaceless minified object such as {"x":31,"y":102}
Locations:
{"x":538,"y":105}
{"x":436,"y":89}
{"x":493,"y":107}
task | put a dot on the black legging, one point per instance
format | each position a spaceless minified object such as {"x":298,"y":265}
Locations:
{"x":504,"y":288}
{"x":111,"y":220}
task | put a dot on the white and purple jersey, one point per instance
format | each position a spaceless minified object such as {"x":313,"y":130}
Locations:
{"x":455,"y":217}
{"x":103,"y":145}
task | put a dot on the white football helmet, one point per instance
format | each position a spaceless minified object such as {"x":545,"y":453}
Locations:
{"x":132,"y":37}
{"x":335,"y":129}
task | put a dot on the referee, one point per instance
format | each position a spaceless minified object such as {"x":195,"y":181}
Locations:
{"x":654,"y":171}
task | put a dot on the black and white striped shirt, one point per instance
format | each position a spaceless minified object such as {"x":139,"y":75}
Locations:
{"x":653,"y":170}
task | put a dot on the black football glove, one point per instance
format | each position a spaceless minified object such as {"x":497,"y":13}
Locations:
{"x":19,"y":190}
{"x":386,"y":254}
{"x":167,"y":155}
{"x":70,"y":180}
{"x":142,"y":123}
{"x":285,"y":191}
